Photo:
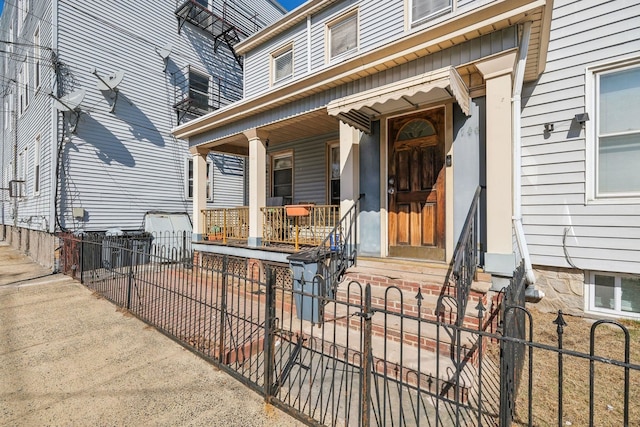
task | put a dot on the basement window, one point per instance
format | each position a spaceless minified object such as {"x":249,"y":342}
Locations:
{"x":615,"y":294}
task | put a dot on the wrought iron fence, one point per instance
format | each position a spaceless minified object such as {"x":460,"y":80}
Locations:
{"x":363,"y":356}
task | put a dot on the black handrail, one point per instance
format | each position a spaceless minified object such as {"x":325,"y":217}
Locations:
{"x":465,"y":257}
{"x":339,"y":247}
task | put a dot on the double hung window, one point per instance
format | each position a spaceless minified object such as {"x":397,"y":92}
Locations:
{"x":343,"y":35}
{"x":617,"y":132}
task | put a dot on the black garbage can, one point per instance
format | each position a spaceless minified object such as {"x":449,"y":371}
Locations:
{"x":309,"y":285}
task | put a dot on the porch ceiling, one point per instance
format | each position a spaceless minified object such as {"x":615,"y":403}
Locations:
{"x":316,"y":123}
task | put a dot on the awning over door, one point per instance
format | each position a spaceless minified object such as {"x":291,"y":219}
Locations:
{"x":357,"y":110}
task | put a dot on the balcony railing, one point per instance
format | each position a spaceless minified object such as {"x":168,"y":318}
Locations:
{"x":298,"y":228}
{"x":223,"y":225}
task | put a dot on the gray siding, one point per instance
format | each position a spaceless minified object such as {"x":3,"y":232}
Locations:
{"x":380,"y":23}
{"x":32,"y":210}
{"x":118,"y":165}
{"x":465,"y":52}
{"x":555,"y":176}
{"x":310,"y":168}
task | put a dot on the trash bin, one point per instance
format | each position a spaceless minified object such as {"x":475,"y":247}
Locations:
{"x":126,"y":248}
{"x":305,"y":266}
{"x":140,"y":245}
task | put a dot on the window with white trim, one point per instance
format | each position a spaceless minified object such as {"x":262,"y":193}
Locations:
{"x":189,"y":179}
{"x":423,"y":10}
{"x":36,"y":166}
{"x":334,"y":174}
{"x":282,"y":176}
{"x":342,"y":35}
{"x":199,"y":90}
{"x":23,"y":81}
{"x":617,"y":294}
{"x":282,"y":64}
{"x":36,"y":58}
{"x":616,"y":145}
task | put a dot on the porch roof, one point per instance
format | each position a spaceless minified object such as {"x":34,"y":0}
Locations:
{"x":434,"y":86}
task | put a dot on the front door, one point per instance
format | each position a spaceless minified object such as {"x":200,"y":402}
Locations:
{"x":416,"y":186}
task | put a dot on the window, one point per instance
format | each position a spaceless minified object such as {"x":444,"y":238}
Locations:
{"x":334,"y":174}
{"x":422,"y":10}
{"x":617,"y":132}
{"x":21,"y":90}
{"x":282,"y":64}
{"x":36,"y":166}
{"x":189,"y":181}
{"x":282,"y":177}
{"x":343,"y":35}
{"x":36,"y":58}
{"x":614,"y":294}
{"x":199,"y":90}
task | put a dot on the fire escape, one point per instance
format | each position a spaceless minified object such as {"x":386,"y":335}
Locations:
{"x":227,"y":22}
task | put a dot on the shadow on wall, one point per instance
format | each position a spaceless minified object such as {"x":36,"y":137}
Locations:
{"x":140,"y":126}
{"x":109,"y":148}
{"x":228,"y":165}
{"x":221,"y":63}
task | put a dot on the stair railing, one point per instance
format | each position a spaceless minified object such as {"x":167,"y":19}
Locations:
{"x":338,"y":251}
{"x":465,"y":257}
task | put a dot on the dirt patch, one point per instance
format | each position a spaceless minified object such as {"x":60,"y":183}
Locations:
{"x":608,"y":405}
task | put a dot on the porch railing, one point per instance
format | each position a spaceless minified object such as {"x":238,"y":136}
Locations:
{"x":465,"y":257}
{"x":306,"y":230}
{"x":225,"y":224}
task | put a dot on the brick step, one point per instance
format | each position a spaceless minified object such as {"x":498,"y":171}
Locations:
{"x":405,"y":302}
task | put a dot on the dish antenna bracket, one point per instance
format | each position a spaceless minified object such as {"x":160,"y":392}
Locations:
{"x":109,"y":84}
{"x":70,"y":103}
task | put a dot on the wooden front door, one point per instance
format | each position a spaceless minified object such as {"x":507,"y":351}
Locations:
{"x":416,"y":186}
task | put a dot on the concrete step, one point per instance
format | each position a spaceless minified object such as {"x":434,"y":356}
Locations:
{"x":396,"y":358}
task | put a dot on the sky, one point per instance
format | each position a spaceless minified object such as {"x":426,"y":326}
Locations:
{"x":288,"y":4}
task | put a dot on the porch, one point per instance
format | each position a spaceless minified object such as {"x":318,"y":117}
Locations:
{"x":289,"y":228}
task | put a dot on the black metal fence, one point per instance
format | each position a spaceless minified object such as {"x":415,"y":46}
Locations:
{"x":368,"y":356}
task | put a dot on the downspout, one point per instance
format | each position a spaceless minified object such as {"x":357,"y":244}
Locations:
{"x":517,"y":155}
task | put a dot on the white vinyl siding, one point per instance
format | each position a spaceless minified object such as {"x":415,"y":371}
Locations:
{"x":560,"y":213}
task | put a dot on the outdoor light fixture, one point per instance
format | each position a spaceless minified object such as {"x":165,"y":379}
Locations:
{"x":548,"y":127}
{"x":582,"y":118}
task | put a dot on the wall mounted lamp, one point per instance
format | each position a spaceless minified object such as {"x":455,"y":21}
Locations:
{"x":582,"y":118}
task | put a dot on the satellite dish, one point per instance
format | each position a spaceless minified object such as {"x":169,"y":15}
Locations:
{"x":109,"y":84}
{"x":164,"y":54}
{"x":165,"y":51}
{"x":71,"y":101}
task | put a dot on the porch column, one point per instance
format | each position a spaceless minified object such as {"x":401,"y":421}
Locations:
{"x":257,"y":183}
{"x":497,"y":73}
{"x":199,"y":190}
{"x":349,"y":167}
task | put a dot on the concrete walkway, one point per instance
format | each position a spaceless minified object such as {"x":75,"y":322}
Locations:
{"x":70,"y":358}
